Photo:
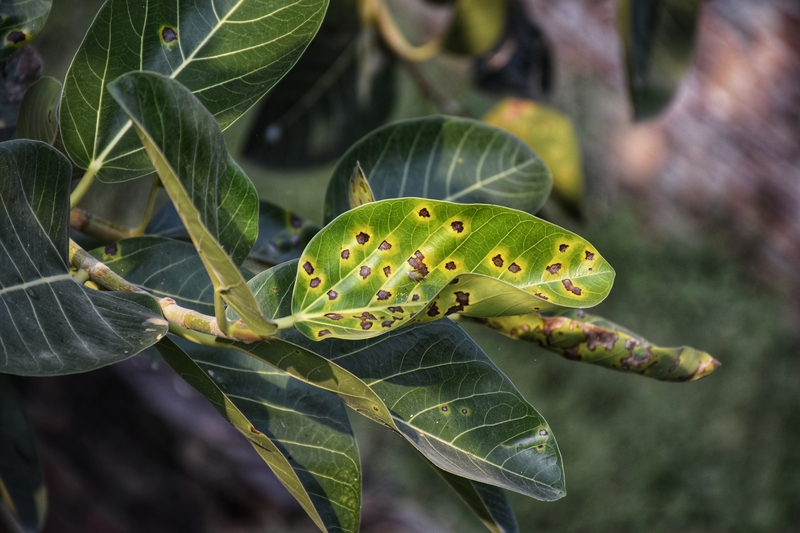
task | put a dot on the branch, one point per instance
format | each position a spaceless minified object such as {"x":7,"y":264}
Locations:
{"x":376,"y":11}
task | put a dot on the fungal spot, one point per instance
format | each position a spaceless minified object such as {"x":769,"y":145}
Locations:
{"x":418,"y":264}
{"x":111,"y":249}
{"x":385,"y":246}
{"x":396,"y":309}
{"x":554,"y":268}
{"x":333,"y":316}
{"x":387,"y":271}
{"x":462,"y":300}
{"x":16,"y":37}
{"x":387,"y":323}
{"x":375,"y":408}
{"x":497,"y":260}
{"x":514,"y":268}
{"x":570,"y":287}
{"x":424,"y":213}
{"x":433,"y":311}
{"x":365,"y":325}
{"x":415,"y":297}
{"x":308,"y":268}
{"x":315,"y":283}
{"x":540,"y":447}
{"x":366,"y":316}
{"x":384,"y":295}
{"x":295,"y":221}
{"x":563,"y":247}
{"x":457,"y":226}
{"x":453,"y":282}
{"x":464,"y":411}
{"x":254,"y":430}
{"x":514,"y":332}
{"x":540,"y":295}
{"x":345,"y":254}
{"x":362,"y":238}
{"x":332,"y":294}
{"x":365,"y":272}
{"x":169,"y":34}
{"x":589,"y":256}
{"x":543,"y":432}
{"x":445,"y":409}
{"x":450,"y":265}
{"x":323,"y":332}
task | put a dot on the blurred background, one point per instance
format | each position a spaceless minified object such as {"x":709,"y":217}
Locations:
{"x":687,"y":179}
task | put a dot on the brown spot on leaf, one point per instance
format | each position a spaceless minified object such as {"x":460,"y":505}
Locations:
{"x":589,"y":256}
{"x":540,"y":295}
{"x":16,"y":37}
{"x":497,"y":260}
{"x":543,"y":433}
{"x":418,"y":264}
{"x":345,"y":254}
{"x":424,"y":213}
{"x":254,"y":430}
{"x":385,"y":246}
{"x":332,"y":294}
{"x":365,"y":325}
{"x":362,"y":238}
{"x":387,"y":323}
{"x":323,"y":332}
{"x":434,"y":310}
{"x":365,"y":272}
{"x":634,"y":362}
{"x":169,"y":34}
{"x":462,"y":300}
{"x":457,"y":226}
{"x":384,"y":295}
{"x":450,"y":265}
{"x":387,"y":271}
{"x":445,"y":409}
{"x":563,"y":247}
{"x":415,"y":297}
{"x":570,"y":287}
{"x":111,"y":249}
{"x":514,"y":332}
{"x":366,"y":316}
{"x":514,"y":268}
{"x":315,"y":283}
{"x":334,"y":316}
{"x":596,"y":336}
{"x":554,"y":268}
{"x":308,"y":268}
{"x":396,"y":309}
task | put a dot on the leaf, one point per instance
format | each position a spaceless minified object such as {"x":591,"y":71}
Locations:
{"x":49,"y":324}
{"x":300,"y":431}
{"x":215,"y":199}
{"x":22,"y":488}
{"x":38,"y":113}
{"x":551,"y":135}
{"x":341,"y":89}
{"x":164,"y":267}
{"x":360,"y":191}
{"x":228,"y":54}
{"x":20,"y":21}
{"x":658,"y":38}
{"x":384,"y":264}
{"x":432,"y":384}
{"x":445,"y":158}
{"x":578,"y":336}
{"x":489,"y":503}
{"x":476,"y":26}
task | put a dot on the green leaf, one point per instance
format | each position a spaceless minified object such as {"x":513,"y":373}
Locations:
{"x":214,"y":198}
{"x":49,"y":323}
{"x":490,"y":504}
{"x":300,"y":431}
{"x":38,"y":113}
{"x":164,"y":267}
{"x":341,"y":89}
{"x":551,"y":135}
{"x":476,"y":26}
{"x":432,"y":384}
{"x":360,"y":191}
{"x":20,"y":21}
{"x":658,"y":38}
{"x":384,"y":264}
{"x":578,"y":336}
{"x":445,"y":158}
{"x":228,"y":54}
{"x":22,"y":488}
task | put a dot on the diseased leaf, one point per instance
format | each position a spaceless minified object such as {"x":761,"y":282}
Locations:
{"x":490,"y":504}
{"x":22,"y":488}
{"x":301,"y":432}
{"x":445,"y":158}
{"x":476,"y":26}
{"x":360,"y":191}
{"x":341,"y":89}
{"x":214,"y":198}
{"x":38,"y":113}
{"x":388,"y":263}
{"x":578,"y":336}
{"x":229,"y":54}
{"x":49,"y":324}
{"x":551,"y":135}
{"x":429,"y":382}
{"x":658,"y":38}
{"x":20,"y":21}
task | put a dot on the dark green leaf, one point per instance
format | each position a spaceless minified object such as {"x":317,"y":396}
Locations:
{"x":49,"y":323}
{"x":38,"y":113}
{"x":282,"y":235}
{"x":578,"y":336}
{"x":229,"y":54}
{"x":489,"y":503}
{"x":22,"y":488}
{"x":20,"y":21}
{"x":341,"y":89}
{"x":301,"y":432}
{"x":388,"y":263}
{"x":445,"y":158}
{"x":214,"y":198}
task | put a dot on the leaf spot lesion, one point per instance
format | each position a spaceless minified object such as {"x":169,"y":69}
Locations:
{"x":384,"y":295}
{"x":362,"y":238}
{"x":333,"y":316}
{"x":589,"y":256}
{"x":315,"y":283}
{"x":434,"y":310}
{"x":571,"y":287}
{"x":387,"y":271}
{"x":168,"y":34}
{"x":457,"y":226}
{"x":554,"y":268}
{"x":498,"y":260}
{"x":346,"y":254}
{"x":563,"y":247}
{"x":514,"y":268}
{"x":384,"y":246}
{"x":16,"y":37}
{"x":424,"y":213}
{"x":450,"y":265}
{"x":323,"y":332}
{"x":308,"y":268}
{"x":332,"y":294}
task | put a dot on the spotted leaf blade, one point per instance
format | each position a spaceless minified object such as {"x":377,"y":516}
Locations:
{"x":300,"y":431}
{"x":490,"y":504}
{"x":578,"y":336}
{"x":388,"y":263}
{"x":20,"y":21}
